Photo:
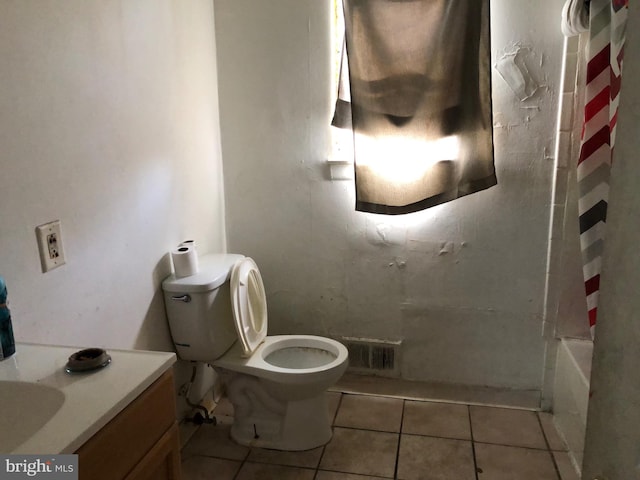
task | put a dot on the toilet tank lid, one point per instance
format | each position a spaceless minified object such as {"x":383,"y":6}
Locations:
{"x":214,"y":269}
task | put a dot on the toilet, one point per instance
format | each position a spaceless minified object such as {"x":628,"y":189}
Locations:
{"x":276,"y":383}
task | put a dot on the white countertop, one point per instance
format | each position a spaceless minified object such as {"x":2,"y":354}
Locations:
{"x":91,"y":399}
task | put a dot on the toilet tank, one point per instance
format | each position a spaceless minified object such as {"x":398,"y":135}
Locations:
{"x":199,"y":309}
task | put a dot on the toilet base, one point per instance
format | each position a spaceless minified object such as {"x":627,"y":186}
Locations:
{"x":261,"y":420}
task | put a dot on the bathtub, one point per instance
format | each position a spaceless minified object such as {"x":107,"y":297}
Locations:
{"x":571,"y":394}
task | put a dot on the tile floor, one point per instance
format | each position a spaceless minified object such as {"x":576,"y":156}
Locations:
{"x":382,"y":437}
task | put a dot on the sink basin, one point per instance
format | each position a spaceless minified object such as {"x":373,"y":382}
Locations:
{"x":27,"y":404}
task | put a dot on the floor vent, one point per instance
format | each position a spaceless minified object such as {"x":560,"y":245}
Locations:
{"x":377,"y":357}
{"x":382,"y":358}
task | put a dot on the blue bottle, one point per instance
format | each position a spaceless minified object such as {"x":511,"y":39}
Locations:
{"x":7,"y":343}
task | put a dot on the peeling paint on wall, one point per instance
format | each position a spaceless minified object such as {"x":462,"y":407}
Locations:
{"x":506,"y":126}
{"x":435,"y":248}
{"x":400,"y":262}
{"x":445,"y":248}
{"x":385,"y":234}
{"x":513,"y":69}
{"x":500,"y":122}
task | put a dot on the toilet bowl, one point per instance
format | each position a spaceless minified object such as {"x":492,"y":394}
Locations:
{"x":276,"y":383}
{"x":278,"y":393}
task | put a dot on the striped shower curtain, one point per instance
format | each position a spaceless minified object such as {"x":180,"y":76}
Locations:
{"x":607,"y":22}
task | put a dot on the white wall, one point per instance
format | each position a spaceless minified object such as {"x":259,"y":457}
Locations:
{"x":462,"y":285}
{"x":108,"y":122}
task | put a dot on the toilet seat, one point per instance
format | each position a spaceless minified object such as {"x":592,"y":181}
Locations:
{"x":251,"y":353}
{"x":249,"y":305}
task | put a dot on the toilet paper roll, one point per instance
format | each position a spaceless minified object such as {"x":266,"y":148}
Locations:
{"x":185,"y":261}
{"x":188,"y":243}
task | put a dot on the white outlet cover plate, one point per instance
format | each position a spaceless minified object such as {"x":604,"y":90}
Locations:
{"x":50,"y":257}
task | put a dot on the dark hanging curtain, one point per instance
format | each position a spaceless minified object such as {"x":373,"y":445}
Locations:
{"x":417,"y":94}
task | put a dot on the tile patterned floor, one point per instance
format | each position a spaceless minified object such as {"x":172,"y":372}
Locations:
{"x":379,"y":437}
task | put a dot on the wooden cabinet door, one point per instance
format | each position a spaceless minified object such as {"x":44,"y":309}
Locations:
{"x":162,"y":462}
{"x":137,"y":431}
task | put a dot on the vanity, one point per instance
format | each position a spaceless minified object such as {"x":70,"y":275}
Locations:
{"x":120,"y":419}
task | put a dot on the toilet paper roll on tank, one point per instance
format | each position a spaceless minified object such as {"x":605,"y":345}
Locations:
{"x":185,"y":259}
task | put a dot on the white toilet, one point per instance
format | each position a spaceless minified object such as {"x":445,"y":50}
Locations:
{"x":275,"y":383}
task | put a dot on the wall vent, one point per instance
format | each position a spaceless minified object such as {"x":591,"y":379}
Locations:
{"x":375,"y":357}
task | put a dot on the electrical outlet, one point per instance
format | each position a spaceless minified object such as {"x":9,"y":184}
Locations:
{"x":49,"y":238}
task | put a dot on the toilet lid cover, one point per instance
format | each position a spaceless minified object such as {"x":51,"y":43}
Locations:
{"x":249,"y":304}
